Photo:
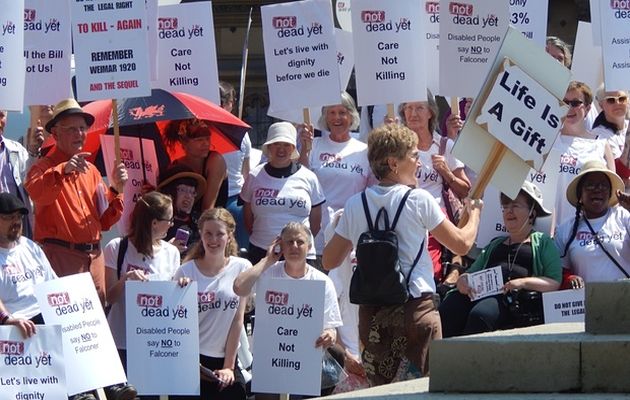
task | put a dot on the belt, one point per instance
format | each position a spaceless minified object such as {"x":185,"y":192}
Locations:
{"x":86,"y":247}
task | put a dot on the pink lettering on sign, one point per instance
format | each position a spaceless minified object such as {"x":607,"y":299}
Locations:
{"x":149,"y":300}
{"x":11,"y":347}
{"x":29,"y":15}
{"x":620,"y":4}
{"x":58,"y":299}
{"x":284,"y":22}
{"x":276,"y":298}
{"x":370,"y":16}
{"x":432,"y":7}
{"x":460,"y":9}
{"x":165,"y":24}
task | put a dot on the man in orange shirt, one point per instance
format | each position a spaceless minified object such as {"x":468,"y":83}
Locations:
{"x":72,"y":203}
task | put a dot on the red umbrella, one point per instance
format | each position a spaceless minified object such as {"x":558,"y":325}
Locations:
{"x":161,"y":108}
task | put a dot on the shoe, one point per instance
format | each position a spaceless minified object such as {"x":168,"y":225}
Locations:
{"x":83,"y":396}
{"x":121,"y":392}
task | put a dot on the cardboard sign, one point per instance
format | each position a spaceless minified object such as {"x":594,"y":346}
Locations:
{"x":470,"y":36}
{"x":595,"y":20}
{"x":300,"y":54}
{"x":485,"y":283}
{"x":89,"y":351}
{"x":47,"y":51}
{"x":32,"y":368}
{"x":587,"y":63}
{"x":563,"y":306}
{"x":475,"y":146}
{"x":289,"y":319}
{"x":186,"y":50}
{"x":389,"y":64}
{"x":344,"y":15}
{"x":345,"y":56}
{"x":530,"y":17}
{"x":614,"y":17}
{"x":12,"y":61}
{"x":431,"y":13}
{"x":162,"y":337}
{"x":522,"y":115}
{"x":152,"y":32}
{"x":131,"y":156}
{"x":110,"y":49}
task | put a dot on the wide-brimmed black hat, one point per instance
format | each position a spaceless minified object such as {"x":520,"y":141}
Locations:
{"x":9,"y":204}
{"x":68,"y":107}
{"x":182,"y":172}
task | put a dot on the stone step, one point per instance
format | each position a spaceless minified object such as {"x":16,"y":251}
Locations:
{"x":606,"y":307}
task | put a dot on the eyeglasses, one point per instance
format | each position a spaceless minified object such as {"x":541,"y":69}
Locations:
{"x":73,"y":129}
{"x":596,"y":186}
{"x":513,"y":207}
{"x":169,"y":220}
{"x":616,"y":99}
{"x":573,"y":103}
{"x":187,"y":191}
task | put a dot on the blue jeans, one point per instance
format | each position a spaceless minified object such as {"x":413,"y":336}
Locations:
{"x":242,"y":237}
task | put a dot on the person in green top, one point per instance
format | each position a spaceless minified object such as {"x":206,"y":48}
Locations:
{"x":529,"y":261}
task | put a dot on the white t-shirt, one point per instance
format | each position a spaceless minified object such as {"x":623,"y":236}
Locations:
{"x":428,"y":178}
{"x":159,"y":268}
{"x":332,"y":317}
{"x":585,"y":258}
{"x":217,"y":303}
{"x":21,"y":268}
{"x":420,"y":215}
{"x":617,"y":141}
{"x":234,"y":163}
{"x":574,"y":152}
{"x":277,"y":201}
{"x":342,"y":170}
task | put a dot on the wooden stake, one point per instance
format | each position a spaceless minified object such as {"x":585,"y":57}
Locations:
{"x":455,"y":105}
{"x":100,"y":393}
{"x":391,"y":114}
{"x":306,"y":115}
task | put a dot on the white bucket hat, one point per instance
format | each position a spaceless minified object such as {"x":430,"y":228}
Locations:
{"x":281,"y":132}
{"x":535,"y":194}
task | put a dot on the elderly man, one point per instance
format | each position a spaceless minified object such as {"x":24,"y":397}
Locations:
{"x":72,"y":203}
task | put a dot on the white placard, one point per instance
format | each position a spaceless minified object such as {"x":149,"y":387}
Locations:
{"x":12,"y":62}
{"x":471,"y":32}
{"x":187,"y":52}
{"x":595,"y":20}
{"x":289,"y":319}
{"x":530,"y":17}
{"x":431,"y":15}
{"x":300,"y":54}
{"x":587,"y":63}
{"x":110,"y":48}
{"x":522,"y":114}
{"x":152,"y":32}
{"x":345,"y":56}
{"x":162,"y":337}
{"x":563,"y":306}
{"x":614,"y":20}
{"x":32,"y":368}
{"x":47,"y":51}
{"x":491,"y":221}
{"x":389,"y":64}
{"x":131,"y":156}
{"x":485,"y":283}
{"x":89,"y":351}
{"x":343,"y":13}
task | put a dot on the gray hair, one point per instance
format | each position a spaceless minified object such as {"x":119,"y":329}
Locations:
{"x":433,"y":107}
{"x":563,"y":46}
{"x":348,"y":102}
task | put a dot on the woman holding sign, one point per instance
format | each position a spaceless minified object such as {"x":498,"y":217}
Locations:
{"x":529,"y":261}
{"x":213,"y":264}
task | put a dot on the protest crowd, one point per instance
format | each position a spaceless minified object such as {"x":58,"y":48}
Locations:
{"x":302,"y":213}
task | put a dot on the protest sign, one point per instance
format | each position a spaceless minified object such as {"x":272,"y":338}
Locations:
{"x":47,"y":51}
{"x":133,"y":159}
{"x":485,"y":283}
{"x":530,"y":17}
{"x":152,"y":32}
{"x":32,"y":368}
{"x":389,"y":64}
{"x":289,"y":319}
{"x":345,"y":56}
{"x":470,"y":36}
{"x":12,"y":63}
{"x":563,"y":306}
{"x":343,"y":14}
{"x":431,"y":24}
{"x":162,"y":337}
{"x":110,"y":49}
{"x":88,"y":347}
{"x":491,"y":223}
{"x":587,"y":63}
{"x":522,"y":114}
{"x":300,"y":54}
{"x":595,"y":20}
{"x":614,"y":16}
{"x":479,"y":149}
{"x":186,"y":50}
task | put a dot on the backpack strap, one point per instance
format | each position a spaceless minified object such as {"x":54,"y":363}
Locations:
{"x":415,"y":262}
{"x":122,"y":250}
{"x":366,"y":209}
{"x":400,"y":208}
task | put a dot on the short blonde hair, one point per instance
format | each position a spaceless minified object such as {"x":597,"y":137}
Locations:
{"x":389,"y":140}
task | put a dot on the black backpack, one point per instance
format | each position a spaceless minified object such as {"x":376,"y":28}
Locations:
{"x":378,"y":279}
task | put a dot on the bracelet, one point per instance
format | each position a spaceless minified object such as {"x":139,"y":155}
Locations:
{"x":4,"y":317}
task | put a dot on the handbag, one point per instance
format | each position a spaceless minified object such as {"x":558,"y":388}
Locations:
{"x":452,"y":204}
{"x":525,"y":307}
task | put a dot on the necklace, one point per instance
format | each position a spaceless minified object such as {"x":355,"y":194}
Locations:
{"x":511,"y":261}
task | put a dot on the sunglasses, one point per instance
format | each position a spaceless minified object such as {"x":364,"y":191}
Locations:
{"x":573,"y":103}
{"x":616,"y":99}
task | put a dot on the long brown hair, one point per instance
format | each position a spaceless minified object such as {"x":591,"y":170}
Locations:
{"x":215,"y":214}
{"x":151,"y":206}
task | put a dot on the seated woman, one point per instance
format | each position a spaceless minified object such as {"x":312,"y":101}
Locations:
{"x":528,"y":259}
{"x":595,"y":245}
